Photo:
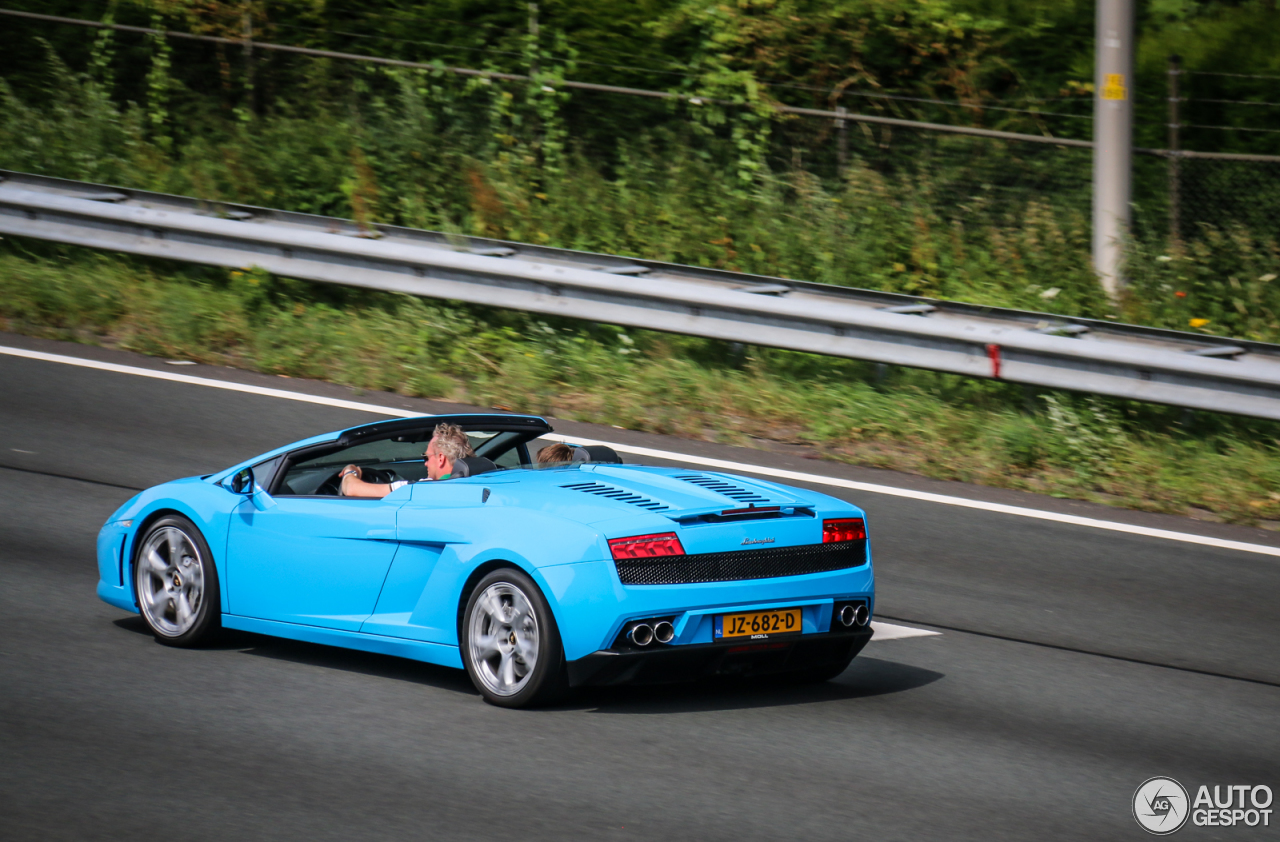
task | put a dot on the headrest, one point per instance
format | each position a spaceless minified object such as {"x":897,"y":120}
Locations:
{"x":596,"y":453}
{"x":469,"y":466}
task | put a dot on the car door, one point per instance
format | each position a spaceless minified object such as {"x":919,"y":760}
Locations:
{"x":304,"y":554}
{"x":317,"y":561}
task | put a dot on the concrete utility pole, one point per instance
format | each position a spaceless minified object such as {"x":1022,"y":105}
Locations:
{"x":1112,"y":138}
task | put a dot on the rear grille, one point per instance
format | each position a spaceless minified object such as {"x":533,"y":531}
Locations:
{"x":742,"y":564}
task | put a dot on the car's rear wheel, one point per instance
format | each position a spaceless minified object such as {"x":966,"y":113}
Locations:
{"x":176,"y":583}
{"x":511,"y":646}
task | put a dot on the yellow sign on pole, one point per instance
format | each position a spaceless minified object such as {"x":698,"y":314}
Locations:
{"x":1113,"y":87}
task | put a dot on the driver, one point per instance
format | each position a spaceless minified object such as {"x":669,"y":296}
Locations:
{"x":448,"y":444}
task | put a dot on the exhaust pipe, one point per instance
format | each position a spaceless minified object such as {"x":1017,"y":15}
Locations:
{"x":663,"y":632}
{"x":854,"y":615}
{"x":641,"y":634}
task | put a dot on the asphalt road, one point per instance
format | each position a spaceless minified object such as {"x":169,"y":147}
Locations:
{"x":1073,"y":665}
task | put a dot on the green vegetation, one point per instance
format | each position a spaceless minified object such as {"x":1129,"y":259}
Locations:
{"x":1023,"y":66}
{"x":431,"y":151}
{"x":937,"y":425}
{"x":734,"y":187}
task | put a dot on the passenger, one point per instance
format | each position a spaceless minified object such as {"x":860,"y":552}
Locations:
{"x":555,"y":454}
{"x":448,"y":444}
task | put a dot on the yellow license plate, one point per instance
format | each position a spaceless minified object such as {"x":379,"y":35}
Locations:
{"x":758,"y":624}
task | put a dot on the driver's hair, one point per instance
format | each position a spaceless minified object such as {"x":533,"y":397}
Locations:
{"x":452,"y":442}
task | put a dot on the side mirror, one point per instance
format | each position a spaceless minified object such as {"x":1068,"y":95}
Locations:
{"x":242,"y":481}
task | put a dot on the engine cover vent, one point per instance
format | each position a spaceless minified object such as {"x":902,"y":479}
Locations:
{"x":728,"y":489}
{"x":601,"y":490}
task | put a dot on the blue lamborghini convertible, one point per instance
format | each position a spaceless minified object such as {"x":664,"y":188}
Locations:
{"x":534,"y":579}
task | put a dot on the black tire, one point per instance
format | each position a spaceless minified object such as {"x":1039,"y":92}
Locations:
{"x":177,"y":589}
{"x":547,"y":680}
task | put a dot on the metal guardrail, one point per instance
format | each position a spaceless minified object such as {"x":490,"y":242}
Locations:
{"x":1126,"y":361}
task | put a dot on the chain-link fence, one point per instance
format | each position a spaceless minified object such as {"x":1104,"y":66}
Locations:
{"x":958,"y":177}
{"x":1175,"y":196}
{"x":1221,"y":193}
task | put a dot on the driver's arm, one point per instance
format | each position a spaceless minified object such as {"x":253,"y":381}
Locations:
{"x":352,"y":486}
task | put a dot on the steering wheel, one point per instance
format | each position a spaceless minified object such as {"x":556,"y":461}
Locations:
{"x":332,"y":487}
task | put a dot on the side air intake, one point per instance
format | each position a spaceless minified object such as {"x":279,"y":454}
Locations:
{"x":601,"y":490}
{"x":728,"y":489}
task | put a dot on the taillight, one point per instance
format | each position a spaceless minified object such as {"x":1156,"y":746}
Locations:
{"x":646,"y":546}
{"x":849,"y":529}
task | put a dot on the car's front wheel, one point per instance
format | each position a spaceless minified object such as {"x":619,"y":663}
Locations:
{"x":176,"y":583}
{"x":511,"y":645}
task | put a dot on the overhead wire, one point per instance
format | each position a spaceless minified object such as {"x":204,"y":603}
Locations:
{"x":684,"y":70}
{"x":1231,"y":101}
{"x":686,"y":75}
{"x":409,"y":17}
{"x":1233,"y":75}
{"x":606,"y":88}
{"x":453,"y":47}
{"x":458,"y":48}
{"x":980,"y":106}
{"x":1228,"y":128}
{"x":396,"y":14}
{"x":951,"y":103}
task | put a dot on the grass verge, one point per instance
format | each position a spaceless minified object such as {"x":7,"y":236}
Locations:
{"x":942,"y":426}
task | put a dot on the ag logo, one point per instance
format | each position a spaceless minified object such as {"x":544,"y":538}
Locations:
{"x":1160,"y":805}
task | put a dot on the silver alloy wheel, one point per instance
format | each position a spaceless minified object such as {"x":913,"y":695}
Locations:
{"x":503,"y":638}
{"x":170,"y":579}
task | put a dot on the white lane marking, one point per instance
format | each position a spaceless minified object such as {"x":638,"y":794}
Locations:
{"x":192,"y":380}
{"x":672,"y":456}
{"x":888,"y":631}
{"x":928,"y":497}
